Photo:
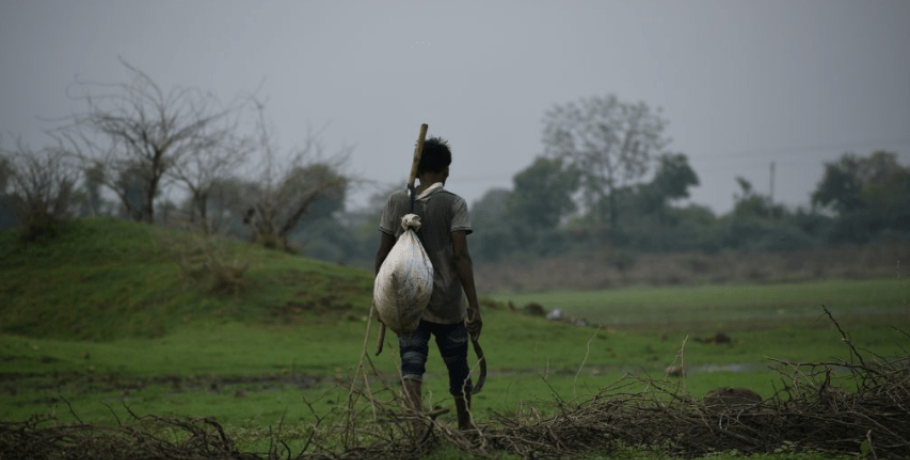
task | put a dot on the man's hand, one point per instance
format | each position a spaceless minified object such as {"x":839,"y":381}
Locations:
{"x":465,"y":270}
{"x":473,"y":323}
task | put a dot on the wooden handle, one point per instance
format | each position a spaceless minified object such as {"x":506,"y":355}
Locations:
{"x":381,"y":339}
{"x":418,"y":151}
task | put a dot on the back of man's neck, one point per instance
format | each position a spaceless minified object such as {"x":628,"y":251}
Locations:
{"x":425,"y":185}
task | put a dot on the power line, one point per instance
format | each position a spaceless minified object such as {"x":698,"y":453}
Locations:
{"x":744,"y":155}
{"x":821,"y":148}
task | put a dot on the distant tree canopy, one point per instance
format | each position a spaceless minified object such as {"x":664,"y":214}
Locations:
{"x":606,"y":185}
{"x":542,"y":194}
{"x":871,"y":196}
{"x":672,"y":181}
{"x":853,"y":183}
{"x":608,"y":142}
{"x":494,"y":236}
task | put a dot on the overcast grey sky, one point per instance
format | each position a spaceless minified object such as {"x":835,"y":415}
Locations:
{"x":741,"y":83}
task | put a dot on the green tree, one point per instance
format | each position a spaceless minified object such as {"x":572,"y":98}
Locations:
{"x":542,"y":194}
{"x":840,"y":188}
{"x":672,"y":180}
{"x":871,"y":196}
{"x":609,"y":143}
{"x":494,"y":234}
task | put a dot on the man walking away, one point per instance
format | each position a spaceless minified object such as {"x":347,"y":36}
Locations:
{"x":445,"y":226}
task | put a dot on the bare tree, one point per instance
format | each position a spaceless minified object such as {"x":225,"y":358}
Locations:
{"x":608,"y":142}
{"x":39,"y":184}
{"x":6,"y":172}
{"x":203,"y":169}
{"x":287,"y":185}
{"x":92,"y":182}
{"x":226,"y":205}
{"x":139,"y":132}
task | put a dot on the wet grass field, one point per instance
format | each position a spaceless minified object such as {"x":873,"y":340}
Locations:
{"x":116,"y":333}
{"x":251,"y":377}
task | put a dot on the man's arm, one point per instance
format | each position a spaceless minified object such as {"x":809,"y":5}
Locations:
{"x":385,"y":246}
{"x":465,"y":270}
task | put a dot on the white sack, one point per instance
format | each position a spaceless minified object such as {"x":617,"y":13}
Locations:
{"x":404,"y":283}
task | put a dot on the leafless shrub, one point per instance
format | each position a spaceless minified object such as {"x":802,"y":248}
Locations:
{"x":285,"y":186}
{"x":207,"y":168}
{"x":206,"y":260}
{"x":40,"y":186}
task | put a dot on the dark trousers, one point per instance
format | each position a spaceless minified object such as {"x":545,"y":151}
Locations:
{"x":452,"y":340}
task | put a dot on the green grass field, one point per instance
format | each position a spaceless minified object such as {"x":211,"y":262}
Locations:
{"x":732,"y":306}
{"x":99,"y":319}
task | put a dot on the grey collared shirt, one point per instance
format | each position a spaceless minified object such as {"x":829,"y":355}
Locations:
{"x":441,"y":213}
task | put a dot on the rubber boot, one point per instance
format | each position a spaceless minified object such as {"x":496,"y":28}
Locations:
{"x":412,"y":403}
{"x":463,"y":411}
{"x":412,"y":394}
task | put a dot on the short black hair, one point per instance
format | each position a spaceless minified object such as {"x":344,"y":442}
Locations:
{"x":436,"y":155}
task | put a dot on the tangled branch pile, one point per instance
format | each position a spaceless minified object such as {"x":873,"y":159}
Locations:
{"x":149,"y":438}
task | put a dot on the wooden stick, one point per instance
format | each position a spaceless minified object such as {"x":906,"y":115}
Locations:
{"x":412,"y":177}
{"x":418,"y":152}
{"x":381,"y":339}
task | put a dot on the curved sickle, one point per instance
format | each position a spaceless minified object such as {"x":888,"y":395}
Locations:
{"x":483,"y":367}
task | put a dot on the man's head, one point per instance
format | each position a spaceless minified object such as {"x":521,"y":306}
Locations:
{"x":436,"y":156}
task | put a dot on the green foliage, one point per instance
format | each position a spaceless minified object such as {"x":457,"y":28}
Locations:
{"x":672,"y":180}
{"x":494,"y":235}
{"x":840,"y":187}
{"x":542,"y":195}
{"x":871,"y":196}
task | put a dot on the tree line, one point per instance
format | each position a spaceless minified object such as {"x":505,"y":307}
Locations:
{"x":606,"y":182}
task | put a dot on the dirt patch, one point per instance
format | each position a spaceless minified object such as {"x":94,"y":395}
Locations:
{"x":95,"y":383}
{"x":717,"y":339}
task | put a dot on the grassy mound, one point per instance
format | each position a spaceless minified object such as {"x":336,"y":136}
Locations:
{"x":103,"y":279}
